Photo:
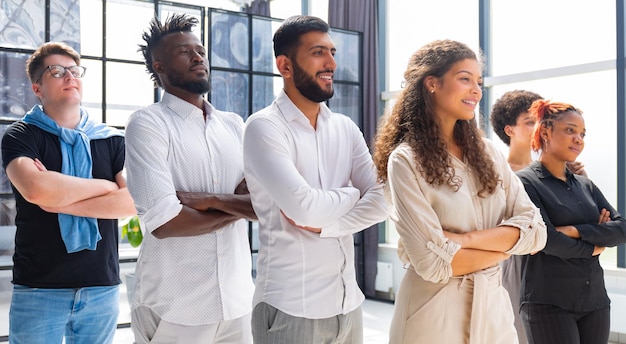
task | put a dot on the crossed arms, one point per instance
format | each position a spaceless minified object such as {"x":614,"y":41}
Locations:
{"x":60,"y":193}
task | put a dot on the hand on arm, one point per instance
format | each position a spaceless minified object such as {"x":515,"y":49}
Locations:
{"x":498,"y":239}
{"x":204,"y":212}
{"x":53,"y":189}
{"x":113,"y":205}
{"x":292,"y":222}
{"x":466,"y":260}
{"x":237,"y":204}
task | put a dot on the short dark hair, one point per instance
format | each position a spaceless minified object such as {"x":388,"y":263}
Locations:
{"x":507,"y":109}
{"x":157,"y":31}
{"x":34,"y":64}
{"x":287,"y":37}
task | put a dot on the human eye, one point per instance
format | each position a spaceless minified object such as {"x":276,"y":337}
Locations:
{"x":57,"y":71}
{"x":76,"y":71}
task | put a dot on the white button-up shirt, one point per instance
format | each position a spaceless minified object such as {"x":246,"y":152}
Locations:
{"x":323,"y":178}
{"x":170,"y":147}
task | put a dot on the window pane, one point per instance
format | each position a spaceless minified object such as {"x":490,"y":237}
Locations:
{"x":347,"y":101}
{"x":229,"y":40}
{"x":538,"y":44}
{"x":129,"y":88}
{"x":229,"y":92}
{"x":411,"y":24}
{"x":264,"y":90}
{"x":347,"y":56}
{"x":92,"y":88}
{"x":319,"y":9}
{"x":284,"y":9}
{"x":126,"y":21}
{"x":91,"y":27}
{"x":22,"y":23}
{"x":167,"y":10}
{"x":262,"y":47}
{"x":65,"y":22}
{"x":16,"y":94}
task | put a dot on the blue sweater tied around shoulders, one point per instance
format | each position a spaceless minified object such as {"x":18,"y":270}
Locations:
{"x":78,"y":233}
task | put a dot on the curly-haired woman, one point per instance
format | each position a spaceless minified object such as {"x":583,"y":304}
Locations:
{"x":457,"y":206}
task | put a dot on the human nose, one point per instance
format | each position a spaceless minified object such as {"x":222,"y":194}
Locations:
{"x":331,"y":63}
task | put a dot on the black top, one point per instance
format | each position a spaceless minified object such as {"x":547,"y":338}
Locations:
{"x":40,"y":258}
{"x":565,"y":273}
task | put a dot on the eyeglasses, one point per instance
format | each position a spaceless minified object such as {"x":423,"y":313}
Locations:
{"x":58,"y":71}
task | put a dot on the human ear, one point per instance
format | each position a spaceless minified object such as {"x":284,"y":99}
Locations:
{"x":158,"y":67}
{"x":283,"y":64}
{"x":430,"y":83}
{"x":37,"y":89}
{"x":508,"y":130}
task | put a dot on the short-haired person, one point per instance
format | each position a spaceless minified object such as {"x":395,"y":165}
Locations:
{"x":185,"y":173}
{"x":563,"y":296}
{"x":457,"y":206}
{"x":66,"y":174}
{"x":313,"y":185}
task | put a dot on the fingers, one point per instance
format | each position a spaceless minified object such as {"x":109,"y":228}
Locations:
{"x":605,"y":216}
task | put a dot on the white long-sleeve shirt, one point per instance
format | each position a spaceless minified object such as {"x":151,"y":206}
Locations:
{"x":170,"y":147}
{"x":320,"y":177}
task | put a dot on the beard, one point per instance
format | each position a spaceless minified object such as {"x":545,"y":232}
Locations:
{"x":201,"y":86}
{"x":308,"y":87}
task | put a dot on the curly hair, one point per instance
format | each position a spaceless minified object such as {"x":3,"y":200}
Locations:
{"x":507,"y":109}
{"x":413,"y":120}
{"x":155,"y":34}
{"x":547,"y":112}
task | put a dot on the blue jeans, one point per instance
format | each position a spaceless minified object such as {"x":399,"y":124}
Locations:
{"x":44,"y":316}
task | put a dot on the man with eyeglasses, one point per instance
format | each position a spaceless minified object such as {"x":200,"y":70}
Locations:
{"x":66,"y":174}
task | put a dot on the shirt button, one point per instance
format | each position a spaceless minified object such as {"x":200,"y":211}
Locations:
{"x":587,"y":282}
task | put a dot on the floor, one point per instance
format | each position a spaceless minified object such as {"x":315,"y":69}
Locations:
{"x":376,"y":320}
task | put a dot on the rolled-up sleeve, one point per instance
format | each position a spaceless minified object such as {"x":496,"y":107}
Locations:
{"x":525,"y":216}
{"x":520,"y":210}
{"x":148,"y":173}
{"x":422,"y":242}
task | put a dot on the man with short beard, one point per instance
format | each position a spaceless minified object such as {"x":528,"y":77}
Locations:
{"x":185,"y":172}
{"x":313,"y":184}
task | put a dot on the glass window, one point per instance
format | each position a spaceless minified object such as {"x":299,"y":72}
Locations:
{"x":121,"y":103}
{"x":22,"y":24}
{"x":229,"y":40}
{"x":548,"y":34}
{"x":411,"y":24}
{"x":91,"y":27}
{"x":229,"y":92}
{"x":92,"y":88}
{"x":319,"y":9}
{"x":284,"y":9}
{"x":347,"y":56}
{"x":65,"y":22}
{"x":264,"y":90}
{"x":262,"y":48}
{"x":347,"y":101}
{"x":122,"y":39}
{"x":16,"y":94}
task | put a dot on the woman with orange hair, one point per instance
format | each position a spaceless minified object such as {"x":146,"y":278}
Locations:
{"x":458,"y":207}
{"x":563,"y":295}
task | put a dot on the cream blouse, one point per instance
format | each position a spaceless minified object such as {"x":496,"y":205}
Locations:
{"x":422,"y":211}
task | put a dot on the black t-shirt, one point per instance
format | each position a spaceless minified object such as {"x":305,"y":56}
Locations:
{"x":41,"y":259}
